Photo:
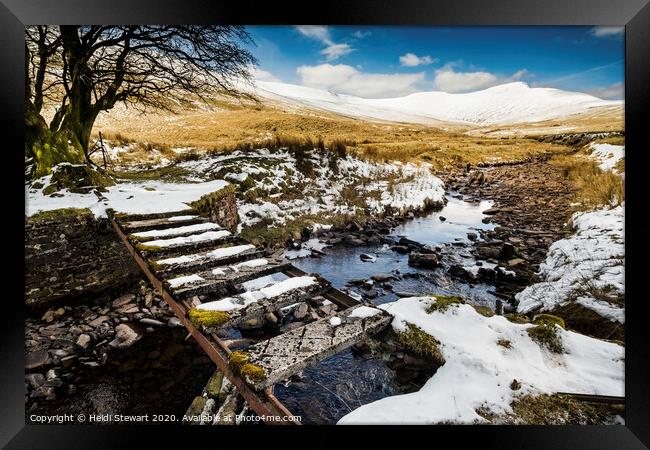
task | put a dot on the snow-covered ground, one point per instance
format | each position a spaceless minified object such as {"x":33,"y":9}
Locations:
{"x":284,"y":193}
{"x":128,"y":197}
{"x":478,"y":372}
{"x":584,"y":268}
{"x":607,"y":155}
{"x":507,"y":103}
{"x":273,"y":189}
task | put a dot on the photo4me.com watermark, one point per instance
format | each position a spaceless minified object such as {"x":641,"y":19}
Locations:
{"x":158,"y":418}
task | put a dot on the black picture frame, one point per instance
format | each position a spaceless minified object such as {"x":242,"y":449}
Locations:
{"x":634,"y":14}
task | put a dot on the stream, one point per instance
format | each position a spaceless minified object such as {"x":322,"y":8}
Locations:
{"x":327,"y":391}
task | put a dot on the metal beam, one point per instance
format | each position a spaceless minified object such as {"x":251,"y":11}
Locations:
{"x":265,"y":407}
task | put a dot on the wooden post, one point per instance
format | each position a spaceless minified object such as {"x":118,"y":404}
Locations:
{"x":101,"y":142}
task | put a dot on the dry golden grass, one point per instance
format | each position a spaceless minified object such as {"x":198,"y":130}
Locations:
{"x":611,"y":118}
{"x":595,"y":187}
{"x":219,"y":130}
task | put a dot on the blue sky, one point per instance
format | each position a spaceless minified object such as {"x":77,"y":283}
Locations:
{"x":371,"y":61}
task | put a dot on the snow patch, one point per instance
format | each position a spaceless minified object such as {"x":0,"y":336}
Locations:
{"x":607,"y":155}
{"x":180,"y":281}
{"x":478,"y":372}
{"x":145,"y":197}
{"x":191,"y":239}
{"x":178,"y":230}
{"x":583,"y":267}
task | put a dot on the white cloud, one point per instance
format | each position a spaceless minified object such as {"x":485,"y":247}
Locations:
{"x":413,"y":60}
{"x":614,"y":91}
{"x":318,"y":32}
{"x":361,"y":34}
{"x":335,"y":51}
{"x":518,"y":75}
{"x":607,"y":31}
{"x":448,"y":80}
{"x":344,"y":79}
{"x":321,"y":33}
{"x":261,"y":75}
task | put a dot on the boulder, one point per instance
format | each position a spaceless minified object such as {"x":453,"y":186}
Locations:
{"x":301,"y":311}
{"x":409,"y":242}
{"x":125,"y":336}
{"x":403,"y":249}
{"x":402,"y":294}
{"x":36,"y":359}
{"x":458,"y":272}
{"x":426,"y":260}
{"x":367,"y":258}
{"x":381,"y":277}
{"x":83,"y":341}
{"x":123,"y":300}
{"x":507,"y":251}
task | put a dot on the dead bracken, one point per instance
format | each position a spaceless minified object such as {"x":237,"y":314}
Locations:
{"x":547,"y":336}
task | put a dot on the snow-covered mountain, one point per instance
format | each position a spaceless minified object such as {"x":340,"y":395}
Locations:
{"x":506,"y":103}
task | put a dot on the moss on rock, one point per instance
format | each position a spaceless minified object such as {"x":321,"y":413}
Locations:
{"x":79,"y":178}
{"x":238,"y":359}
{"x":210,"y":200}
{"x":147,"y":248}
{"x":252,"y":372}
{"x":213,"y":388}
{"x":483,"y":310}
{"x":517,"y":318}
{"x":196,"y":407}
{"x":442,"y":302}
{"x":422,"y":344}
{"x":200,"y":317}
{"x":60,"y":213}
{"x":548,"y":319}
{"x":239,"y":362}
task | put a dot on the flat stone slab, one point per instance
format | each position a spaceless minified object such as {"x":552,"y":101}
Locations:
{"x":123,"y":218}
{"x":265,"y":305}
{"x":136,"y":226}
{"x":203,"y":260}
{"x":180,"y":230}
{"x":286,"y":354}
{"x":216,"y":279}
{"x":184,"y":244}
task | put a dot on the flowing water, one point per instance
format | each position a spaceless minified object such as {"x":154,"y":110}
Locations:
{"x":327,"y":391}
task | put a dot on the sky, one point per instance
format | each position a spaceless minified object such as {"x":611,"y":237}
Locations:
{"x":391,"y":61}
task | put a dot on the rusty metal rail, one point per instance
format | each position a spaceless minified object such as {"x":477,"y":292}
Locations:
{"x":264,"y":404}
{"x":591,"y":398}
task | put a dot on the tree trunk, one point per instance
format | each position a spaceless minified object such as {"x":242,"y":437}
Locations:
{"x":49,"y":148}
{"x":69,"y":141}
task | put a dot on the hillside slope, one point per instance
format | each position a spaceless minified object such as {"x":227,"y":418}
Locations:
{"x":506,"y":103}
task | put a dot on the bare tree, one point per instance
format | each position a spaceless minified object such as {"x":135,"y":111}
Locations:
{"x":88,"y":69}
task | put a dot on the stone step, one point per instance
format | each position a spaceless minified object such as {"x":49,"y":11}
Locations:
{"x":217,"y":279}
{"x":189,"y":263}
{"x":168,"y":248}
{"x":136,"y":226}
{"x":123,"y":218}
{"x":174,"y":232}
{"x":278,"y":358}
{"x":258,"y":308}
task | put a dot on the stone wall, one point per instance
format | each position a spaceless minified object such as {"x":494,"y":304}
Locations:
{"x":70,"y":255}
{"x":220,"y":207}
